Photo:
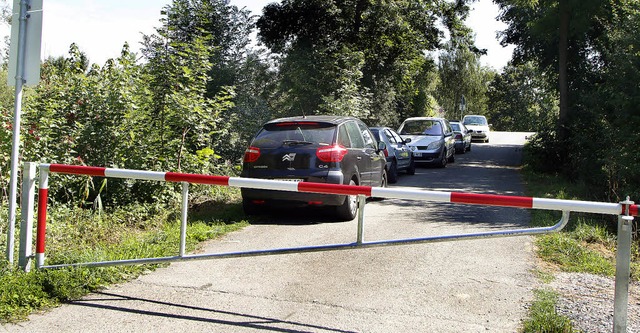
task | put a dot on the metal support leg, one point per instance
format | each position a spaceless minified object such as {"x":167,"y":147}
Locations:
{"x":361,"y":202}
{"x":623,"y":270}
{"x":26,"y":223}
{"x":183,"y":223}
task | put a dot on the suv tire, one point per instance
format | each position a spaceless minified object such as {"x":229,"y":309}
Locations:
{"x":349,"y":208}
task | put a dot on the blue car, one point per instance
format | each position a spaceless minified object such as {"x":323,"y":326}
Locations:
{"x":398,"y":154}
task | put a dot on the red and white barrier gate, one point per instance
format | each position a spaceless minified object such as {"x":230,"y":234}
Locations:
{"x":625,"y":211}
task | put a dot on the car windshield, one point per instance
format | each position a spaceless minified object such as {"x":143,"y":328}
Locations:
{"x":421,"y":127}
{"x":295,"y":133}
{"x":475,"y":121}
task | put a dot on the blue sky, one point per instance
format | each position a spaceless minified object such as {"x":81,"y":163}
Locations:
{"x":100,"y":27}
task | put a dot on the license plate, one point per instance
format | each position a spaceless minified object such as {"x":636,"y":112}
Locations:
{"x":417,"y":154}
{"x":289,"y":180}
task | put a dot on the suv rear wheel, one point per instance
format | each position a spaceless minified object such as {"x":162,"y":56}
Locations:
{"x":349,"y":209}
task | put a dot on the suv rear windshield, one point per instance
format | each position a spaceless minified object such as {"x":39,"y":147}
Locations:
{"x":421,"y":127}
{"x":275,"y":135}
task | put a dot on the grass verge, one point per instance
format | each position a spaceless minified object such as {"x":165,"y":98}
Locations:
{"x":586,"y":245}
{"x":79,"y":235}
{"x":543,"y":316}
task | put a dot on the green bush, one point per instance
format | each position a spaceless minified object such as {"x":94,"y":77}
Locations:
{"x":21,"y":293}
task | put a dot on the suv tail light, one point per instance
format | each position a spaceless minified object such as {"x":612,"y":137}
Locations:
{"x":458,"y":136}
{"x":331,"y":154}
{"x":251,"y":154}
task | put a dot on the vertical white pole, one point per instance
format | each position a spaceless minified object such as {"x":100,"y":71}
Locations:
{"x":623,"y":271}
{"x":361,"y":202}
{"x":15,"y":146}
{"x":26,"y":224}
{"x":183,"y":224}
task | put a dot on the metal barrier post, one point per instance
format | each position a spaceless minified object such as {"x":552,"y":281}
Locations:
{"x":361,"y":202}
{"x":623,"y":270}
{"x":41,"y":229}
{"x":183,"y":220}
{"x":26,"y":210}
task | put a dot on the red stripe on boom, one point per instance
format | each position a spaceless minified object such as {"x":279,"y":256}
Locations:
{"x":196,"y":179}
{"x":633,"y":210}
{"x":491,"y":199}
{"x":41,"y":230}
{"x":77,"y":169}
{"x":334,"y":188}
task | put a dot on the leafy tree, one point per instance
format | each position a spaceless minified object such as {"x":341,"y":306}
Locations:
{"x":461,"y":75}
{"x":182,"y":117}
{"x":254,"y":104}
{"x":330,"y":48}
{"x":348,"y":99}
{"x":558,"y":35}
{"x":225,"y":31}
{"x":580,"y":47}
{"x":520,"y":99}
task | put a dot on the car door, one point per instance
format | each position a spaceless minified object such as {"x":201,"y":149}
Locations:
{"x":401,"y":150}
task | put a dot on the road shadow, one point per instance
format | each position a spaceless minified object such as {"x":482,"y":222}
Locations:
{"x":244,"y":320}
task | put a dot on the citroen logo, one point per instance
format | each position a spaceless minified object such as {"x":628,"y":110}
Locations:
{"x":289,"y":157}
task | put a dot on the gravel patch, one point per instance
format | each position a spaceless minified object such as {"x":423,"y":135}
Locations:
{"x":587,"y":300}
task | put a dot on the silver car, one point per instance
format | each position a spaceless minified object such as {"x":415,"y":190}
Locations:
{"x":432,"y":140}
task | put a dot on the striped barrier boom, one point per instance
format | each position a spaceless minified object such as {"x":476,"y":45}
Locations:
{"x":379,"y":192}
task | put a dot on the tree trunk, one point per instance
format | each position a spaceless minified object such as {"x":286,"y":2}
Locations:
{"x":563,"y":82}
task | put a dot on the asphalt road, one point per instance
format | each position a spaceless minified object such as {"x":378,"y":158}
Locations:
{"x":479,"y":285}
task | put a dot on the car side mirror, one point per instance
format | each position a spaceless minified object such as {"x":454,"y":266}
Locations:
{"x":407,"y":140}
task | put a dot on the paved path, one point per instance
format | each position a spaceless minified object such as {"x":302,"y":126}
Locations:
{"x":467,"y":286}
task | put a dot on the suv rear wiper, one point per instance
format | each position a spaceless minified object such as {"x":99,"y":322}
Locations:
{"x":296,"y":142}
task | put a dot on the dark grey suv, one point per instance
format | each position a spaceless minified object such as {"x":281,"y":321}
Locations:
{"x":321,"y":149}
